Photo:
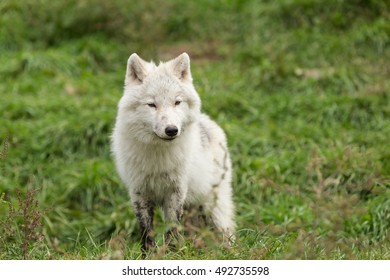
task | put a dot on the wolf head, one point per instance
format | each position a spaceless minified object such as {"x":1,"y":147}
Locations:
{"x":159,"y":102}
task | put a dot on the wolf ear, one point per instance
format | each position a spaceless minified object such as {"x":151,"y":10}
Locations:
{"x":136,"y":70}
{"x":181,"y":67}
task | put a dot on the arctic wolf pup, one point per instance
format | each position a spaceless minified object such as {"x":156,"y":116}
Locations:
{"x":167,"y":152}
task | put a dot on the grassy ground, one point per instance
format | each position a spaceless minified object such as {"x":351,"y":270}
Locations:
{"x":302,"y":89}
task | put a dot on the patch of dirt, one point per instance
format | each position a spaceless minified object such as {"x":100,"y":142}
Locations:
{"x":200,"y":53}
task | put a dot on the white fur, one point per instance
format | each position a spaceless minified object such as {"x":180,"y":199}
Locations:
{"x":190,"y":168}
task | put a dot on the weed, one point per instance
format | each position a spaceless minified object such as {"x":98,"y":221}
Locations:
{"x":22,"y":225}
{"x":4,"y":151}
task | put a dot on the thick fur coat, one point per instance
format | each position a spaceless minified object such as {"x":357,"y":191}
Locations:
{"x":166,"y":151}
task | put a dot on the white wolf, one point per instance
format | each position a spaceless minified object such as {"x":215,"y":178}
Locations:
{"x":167,"y":152}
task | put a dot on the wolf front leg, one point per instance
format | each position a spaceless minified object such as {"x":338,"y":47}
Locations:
{"x":144,"y":210}
{"x":173,"y":211}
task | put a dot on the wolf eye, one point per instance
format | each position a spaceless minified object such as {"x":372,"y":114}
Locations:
{"x":152,"y":105}
{"x":177,"y":102}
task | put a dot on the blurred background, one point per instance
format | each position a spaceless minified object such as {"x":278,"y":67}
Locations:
{"x":301,"y":88}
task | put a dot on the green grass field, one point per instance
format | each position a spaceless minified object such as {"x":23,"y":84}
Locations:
{"x":302,"y":89}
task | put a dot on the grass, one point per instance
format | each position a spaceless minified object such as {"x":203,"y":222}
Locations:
{"x":300,"y":87}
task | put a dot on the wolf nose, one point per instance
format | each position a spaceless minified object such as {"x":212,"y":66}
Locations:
{"x":171,"y":130}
